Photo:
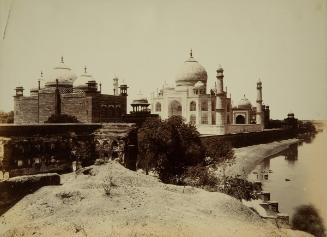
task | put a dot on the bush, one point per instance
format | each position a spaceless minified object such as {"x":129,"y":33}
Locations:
{"x":306,"y":218}
{"x":238,"y":188}
{"x":218,"y":150}
{"x":200,"y":176}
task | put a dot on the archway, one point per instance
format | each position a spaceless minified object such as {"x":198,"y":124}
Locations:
{"x":193,"y":106}
{"x":174,"y":108}
{"x":240,"y":119}
{"x":158,"y":107}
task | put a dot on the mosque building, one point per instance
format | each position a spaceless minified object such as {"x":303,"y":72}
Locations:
{"x":65,"y":93}
{"x":211,"y":113}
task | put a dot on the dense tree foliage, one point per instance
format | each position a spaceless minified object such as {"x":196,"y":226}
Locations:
{"x":217,"y":151}
{"x":306,"y":218}
{"x":169,"y":147}
{"x":62,"y":118}
{"x":174,"y":150}
{"x":7,"y":117}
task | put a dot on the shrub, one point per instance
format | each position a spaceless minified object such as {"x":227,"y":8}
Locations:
{"x":200,"y":176}
{"x":306,"y":218}
{"x":217,"y":151}
{"x":238,"y":188}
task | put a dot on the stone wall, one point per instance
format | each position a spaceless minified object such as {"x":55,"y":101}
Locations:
{"x":42,"y":148}
{"x":86,"y":107}
{"x":242,"y":128}
{"x":251,"y":138}
{"x":107,"y":107}
{"x":47,"y":106}
{"x":25,"y":109}
{"x":77,"y":105}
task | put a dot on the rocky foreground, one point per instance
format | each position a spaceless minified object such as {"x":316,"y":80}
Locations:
{"x":138,"y":205}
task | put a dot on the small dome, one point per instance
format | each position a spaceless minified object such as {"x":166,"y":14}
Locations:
{"x":244,"y":103}
{"x":140,"y":99}
{"x":82,"y":81}
{"x":290,"y":115}
{"x":220,"y":68}
{"x":199,"y":84}
{"x":63,"y":74}
{"x":191,"y":72}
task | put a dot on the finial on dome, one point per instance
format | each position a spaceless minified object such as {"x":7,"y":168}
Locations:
{"x":191,"y":54}
{"x":85,"y":69}
{"x":41,"y":75}
{"x":62,"y":59}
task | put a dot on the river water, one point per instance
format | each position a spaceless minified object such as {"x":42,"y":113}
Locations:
{"x":297,"y":175}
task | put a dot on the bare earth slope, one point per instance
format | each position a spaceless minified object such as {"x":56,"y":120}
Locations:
{"x":139,"y":205}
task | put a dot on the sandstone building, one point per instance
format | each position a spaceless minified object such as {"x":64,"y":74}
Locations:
{"x":80,"y":97}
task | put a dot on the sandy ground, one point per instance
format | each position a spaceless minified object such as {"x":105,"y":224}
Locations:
{"x":246,"y":158}
{"x":138,"y":205}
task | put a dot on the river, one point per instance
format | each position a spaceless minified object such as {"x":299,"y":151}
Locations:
{"x":297,"y":175}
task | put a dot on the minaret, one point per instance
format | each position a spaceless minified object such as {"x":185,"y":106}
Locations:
{"x":220,"y":80}
{"x":115,"y":84}
{"x":220,"y":100}
{"x":259,"y":115}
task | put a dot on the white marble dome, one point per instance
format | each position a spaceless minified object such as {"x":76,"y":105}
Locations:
{"x":190,"y":73}
{"x":63,"y":73}
{"x":82,"y":80}
{"x":244,"y":103}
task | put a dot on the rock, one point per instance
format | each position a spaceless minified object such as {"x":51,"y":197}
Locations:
{"x":287,"y":180}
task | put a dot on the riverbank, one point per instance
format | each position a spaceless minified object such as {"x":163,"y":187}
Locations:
{"x":246,"y":158}
{"x":138,"y":205}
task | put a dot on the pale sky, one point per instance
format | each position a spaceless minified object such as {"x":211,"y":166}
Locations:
{"x":283,"y":42}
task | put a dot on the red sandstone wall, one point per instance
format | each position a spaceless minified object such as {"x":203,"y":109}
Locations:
{"x":25,"y":109}
{"x":76,"y":105}
{"x":47,"y":106}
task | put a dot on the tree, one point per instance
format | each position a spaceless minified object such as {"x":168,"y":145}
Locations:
{"x":306,"y":218}
{"x":7,"y":117}
{"x":169,"y":147}
{"x":218,"y":151}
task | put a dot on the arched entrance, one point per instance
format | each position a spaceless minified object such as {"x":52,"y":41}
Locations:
{"x":240,"y":119}
{"x":174,"y":108}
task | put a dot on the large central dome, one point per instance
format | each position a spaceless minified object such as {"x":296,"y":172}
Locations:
{"x":191,"y":72}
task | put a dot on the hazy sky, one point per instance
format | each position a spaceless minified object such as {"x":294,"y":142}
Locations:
{"x":284,"y":42}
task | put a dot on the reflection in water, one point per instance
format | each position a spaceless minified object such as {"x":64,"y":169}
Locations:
{"x":292,"y":153}
{"x":297,"y":175}
{"x":262,"y":171}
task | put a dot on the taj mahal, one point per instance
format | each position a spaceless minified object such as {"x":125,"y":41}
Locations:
{"x":213,"y":112}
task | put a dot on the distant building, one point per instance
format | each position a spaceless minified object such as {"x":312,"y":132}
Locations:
{"x":212,"y":113}
{"x":266,"y":115}
{"x":140,"y":111}
{"x":80,"y":97}
{"x":290,"y":121}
